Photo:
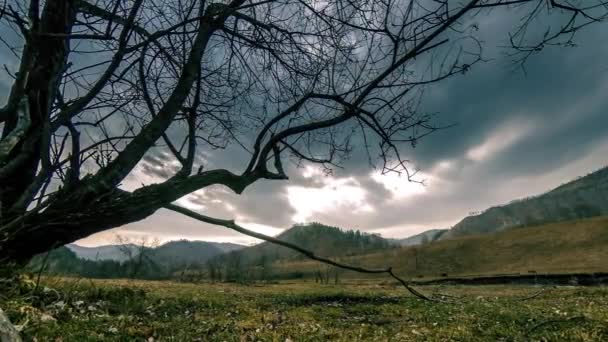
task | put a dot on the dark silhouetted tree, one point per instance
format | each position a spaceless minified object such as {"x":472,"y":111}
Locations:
{"x":102,"y":86}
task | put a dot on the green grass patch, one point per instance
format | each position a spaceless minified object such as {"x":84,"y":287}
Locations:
{"x":120,"y":310}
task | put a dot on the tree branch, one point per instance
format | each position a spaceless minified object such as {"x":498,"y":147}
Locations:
{"x":80,"y":103}
{"x":135,"y":150}
{"x":309,"y":254}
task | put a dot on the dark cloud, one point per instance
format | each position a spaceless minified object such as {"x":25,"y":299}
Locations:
{"x":556,"y":112}
{"x":540,"y":128}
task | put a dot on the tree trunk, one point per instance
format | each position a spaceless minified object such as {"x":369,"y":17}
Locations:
{"x":45,"y":58}
{"x":81,"y":210}
{"x":74,"y":217}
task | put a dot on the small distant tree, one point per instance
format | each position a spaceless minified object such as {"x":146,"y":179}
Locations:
{"x":415,"y":251}
{"x":425,"y":240}
{"x":319,"y":277}
{"x":214,"y":270}
{"x":236,"y":270}
{"x":136,"y":252}
{"x":336,"y":276}
{"x":185,"y":272}
{"x":265,"y":265}
{"x":324,"y":273}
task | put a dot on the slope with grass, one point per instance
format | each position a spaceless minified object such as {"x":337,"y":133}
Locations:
{"x":566,"y":247}
{"x":582,"y":198}
{"x":422,"y":238}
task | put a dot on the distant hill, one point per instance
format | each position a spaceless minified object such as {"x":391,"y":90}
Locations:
{"x":108,"y":252}
{"x":185,"y":253}
{"x":565,"y":247}
{"x":319,"y":238}
{"x":111,"y":261}
{"x":422,"y":238}
{"x":182,"y":251}
{"x":582,"y":198}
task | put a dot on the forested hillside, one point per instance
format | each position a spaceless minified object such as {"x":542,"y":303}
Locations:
{"x":130,"y":261}
{"x":63,"y":261}
{"x":110,"y":252}
{"x":582,"y":198}
{"x":323,"y":240}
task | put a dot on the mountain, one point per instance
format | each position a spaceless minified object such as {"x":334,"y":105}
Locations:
{"x":184,"y":253}
{"x":171,"y":254}
{"x":112,"y":261}
{"x":584,"y":197}
{"x":108,"y":252}
{"x":420,"y":239}
{"x":321,"y":239}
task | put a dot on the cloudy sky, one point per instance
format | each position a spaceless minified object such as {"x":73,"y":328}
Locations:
{"x":514,"y":134}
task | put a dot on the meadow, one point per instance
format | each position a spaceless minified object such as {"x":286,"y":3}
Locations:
{"x":67,"y":309}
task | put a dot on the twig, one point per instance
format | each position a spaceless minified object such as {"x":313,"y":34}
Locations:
{"x":555,"y":321}
{"x":534,"y":295}
{"x":42,"y":267}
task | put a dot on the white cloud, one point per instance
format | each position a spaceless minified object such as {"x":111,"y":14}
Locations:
{"x":500,"y":139}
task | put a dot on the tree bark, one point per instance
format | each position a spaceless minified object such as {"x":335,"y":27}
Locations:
{"x":46,"y":57}
{"x":73,"y":215}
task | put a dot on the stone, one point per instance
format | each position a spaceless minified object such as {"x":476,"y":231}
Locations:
{"x":8,"y":332}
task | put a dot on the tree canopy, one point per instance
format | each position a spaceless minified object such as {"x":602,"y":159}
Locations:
{"x":98,"y":85}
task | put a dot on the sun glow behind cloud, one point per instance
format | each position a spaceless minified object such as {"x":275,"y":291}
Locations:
{"x":333,"y":194}
{"x":399,"y":185}
{"x":260,"y":228}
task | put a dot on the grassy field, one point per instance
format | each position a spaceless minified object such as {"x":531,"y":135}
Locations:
{"x":85,"y":310}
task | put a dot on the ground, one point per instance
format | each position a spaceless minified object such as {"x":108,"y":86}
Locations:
{"x":125,"y":310}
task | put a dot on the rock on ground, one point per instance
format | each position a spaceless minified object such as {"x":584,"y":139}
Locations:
{"x":8,"y":333}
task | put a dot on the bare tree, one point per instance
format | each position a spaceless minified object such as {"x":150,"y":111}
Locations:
{"x":214,"y":270}
{"x":100,"y":84}
{"x":265,"y":268}
{"x":324,"y":273}
{"x":425,"y":240}
{"x":136,"y":252}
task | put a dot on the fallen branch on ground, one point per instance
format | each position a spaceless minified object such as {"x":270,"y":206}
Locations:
{"x":534,"y":295}
{"x":556,"y":321}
